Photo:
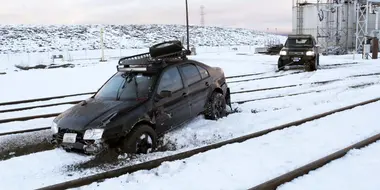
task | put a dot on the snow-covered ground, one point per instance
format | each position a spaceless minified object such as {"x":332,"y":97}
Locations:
{"x":244,"y":165}
{"x":357,"y":170}
{"x":261,"y":153}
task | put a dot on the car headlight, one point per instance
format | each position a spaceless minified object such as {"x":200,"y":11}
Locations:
{"x":282,"y":52}
{"x":54,"y":128}
{"x":310,"y":53}
{"x":93,"y":134}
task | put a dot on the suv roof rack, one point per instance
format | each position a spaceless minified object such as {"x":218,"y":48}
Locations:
{"x":145,"y":62}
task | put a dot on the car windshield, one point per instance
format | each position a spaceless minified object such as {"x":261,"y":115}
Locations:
{"x":299,"y":42}
{"x":127,"y":86}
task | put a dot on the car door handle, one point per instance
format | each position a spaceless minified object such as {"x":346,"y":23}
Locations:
{"x":207,"y":84}
{"x":184,"y":94}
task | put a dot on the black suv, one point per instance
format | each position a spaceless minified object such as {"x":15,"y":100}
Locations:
{"x":149,"y":95}
{"x":300,"y":50}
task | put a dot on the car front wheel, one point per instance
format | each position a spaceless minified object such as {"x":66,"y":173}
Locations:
{"x":311,"y":65}
{"x":280,"y":65}
{"x":215,"y":107}
{"x":141,"y":140}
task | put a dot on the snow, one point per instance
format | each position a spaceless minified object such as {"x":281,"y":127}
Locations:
{"x":244,"y":165}
{"x":24,"y":125}
{"x":29,"y":169}
{"x":278,"y":148}
{"x":38,"y":111}
{"x":53,"y":38}
{"x":357,"y":170}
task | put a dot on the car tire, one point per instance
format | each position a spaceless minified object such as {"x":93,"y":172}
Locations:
{"x":165,"y":48}
{"x":215,"y":107}
{"x":140,"y":140}
{"x":317,"y":60}
{"x":311,"y":65}
{"x":280,"y":65}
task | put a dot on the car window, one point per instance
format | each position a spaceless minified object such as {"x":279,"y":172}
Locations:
{"x":171,"y":80}
{"x":191,"y":73}
{"x":126,"y":87}
{"x":140,"y":86}
{"x":293,"y":42}
{"x":203,"y":71}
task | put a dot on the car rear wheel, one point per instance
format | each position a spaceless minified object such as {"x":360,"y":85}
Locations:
{"x":215,"y":107}
{"x":141,"y":140}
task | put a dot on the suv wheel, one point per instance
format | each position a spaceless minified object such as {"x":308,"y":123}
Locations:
{"x":280,"y":65}
{"x":317,"y":60}
{"x":141,"y":140}
{"x":215,"y":107}
{"x":311,"y":65}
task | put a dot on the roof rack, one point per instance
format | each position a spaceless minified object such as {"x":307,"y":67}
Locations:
{"x":145,"y":62}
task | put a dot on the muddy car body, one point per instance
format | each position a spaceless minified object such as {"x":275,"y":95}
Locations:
{"x":299,"y":50}
{"x":146,"y":97}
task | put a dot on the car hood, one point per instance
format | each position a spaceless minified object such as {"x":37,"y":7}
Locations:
{"x":81,"y":115}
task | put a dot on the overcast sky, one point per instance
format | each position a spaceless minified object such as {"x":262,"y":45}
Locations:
{"x":255,"y":14}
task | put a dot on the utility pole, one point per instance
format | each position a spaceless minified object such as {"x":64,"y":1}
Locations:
{"x":187,"y":26}
{"x":102,"y":44}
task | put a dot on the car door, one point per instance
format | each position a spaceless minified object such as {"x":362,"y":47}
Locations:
{"x":174,"y":110}
{"x":197,"y":80}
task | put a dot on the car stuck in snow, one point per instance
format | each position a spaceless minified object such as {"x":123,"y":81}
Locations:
{"x":149,"y":95}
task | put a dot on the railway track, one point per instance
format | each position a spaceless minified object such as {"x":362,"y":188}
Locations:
{"x":56,"y":114}
{"x":43,"y":99}
{"x":237,"y":102}
{"x":304,"y":170}
{"x":91,"y":93}
{"x":157,"y":162}
{"x":20,"y":149}
{"x":39,"y":106}
{"x":236,"y":92}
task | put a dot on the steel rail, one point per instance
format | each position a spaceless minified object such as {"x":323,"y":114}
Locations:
{"x":29,"y":117}
{"x":290,"y":176}
{"x":43,"y":99}
{"x":39,"y":106}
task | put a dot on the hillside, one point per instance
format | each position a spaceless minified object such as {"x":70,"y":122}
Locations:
{"x":44,"y":38}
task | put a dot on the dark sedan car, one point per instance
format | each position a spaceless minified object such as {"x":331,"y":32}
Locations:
{"x":149,"y":95}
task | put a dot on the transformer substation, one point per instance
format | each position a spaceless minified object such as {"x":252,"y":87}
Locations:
{"x":339,"y":26}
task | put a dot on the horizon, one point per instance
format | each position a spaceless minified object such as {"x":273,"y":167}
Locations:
{"x":45,"y":25}
{"x":256,"y":15}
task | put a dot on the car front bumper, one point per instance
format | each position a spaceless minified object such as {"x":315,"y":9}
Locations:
{"x":90,"y":147}
{"x":295,"y":60}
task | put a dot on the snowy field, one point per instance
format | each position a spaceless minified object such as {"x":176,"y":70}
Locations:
{"x":357,"y":170}
{"x":256,"y":160}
